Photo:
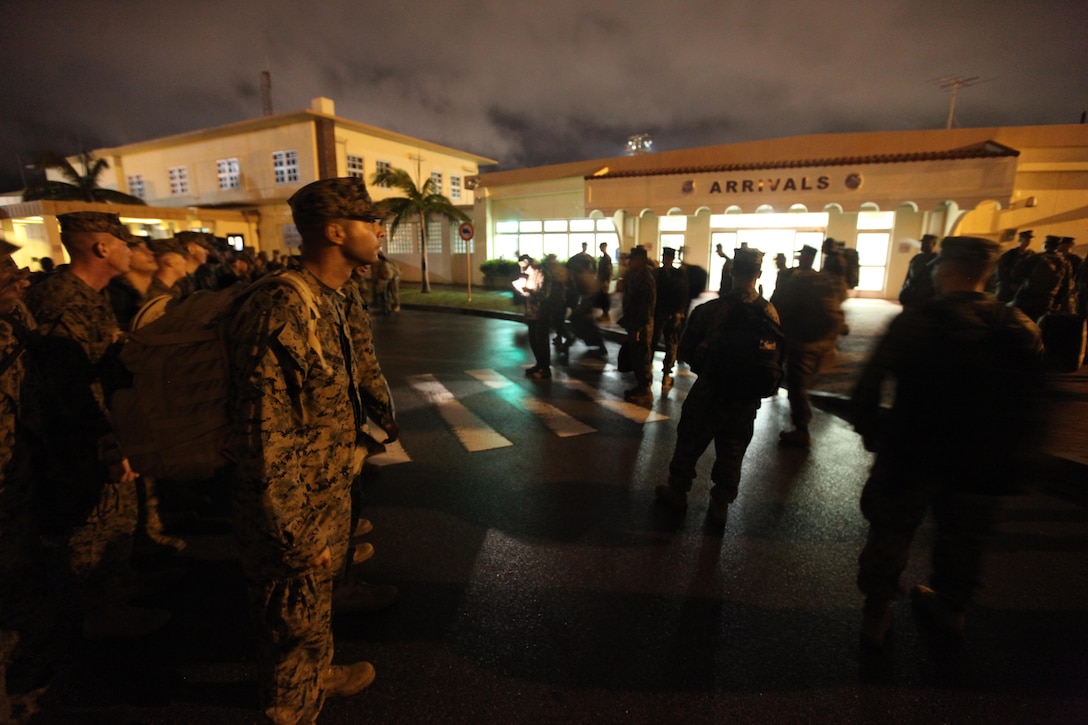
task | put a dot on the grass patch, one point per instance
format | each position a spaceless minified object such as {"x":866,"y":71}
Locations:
{"x":449,"y":296}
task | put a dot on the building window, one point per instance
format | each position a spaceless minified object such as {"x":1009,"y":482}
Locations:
{"x":403,"y":240}
{"x":355,"y":166}
{"x":436,"y":181}
{"x":136,"y":186}
{"x":382,"y":167}
{"x":179,"y":180}
{"x":285,"y":166}
{"x":229,"y":174}
{"x":434,"y":237}
{"x":561,"y":237}
{"x":455,"y":187}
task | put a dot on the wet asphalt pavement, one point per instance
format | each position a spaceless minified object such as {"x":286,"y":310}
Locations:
{"x":540,"y":583}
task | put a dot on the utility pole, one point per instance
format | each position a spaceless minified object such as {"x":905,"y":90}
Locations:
{"x":953,"y":84}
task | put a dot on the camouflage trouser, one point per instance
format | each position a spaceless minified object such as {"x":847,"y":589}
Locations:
{"x":667,"y":329}
{"x":99,"y":549}
{"x":704,"y":418}
{"x":895,"y":502}
{"x":642,"y":355}
{"x":802,"y":363}
{"x":291,"y":609}
{"x":30,"y":641}
{"x":293,"y":617}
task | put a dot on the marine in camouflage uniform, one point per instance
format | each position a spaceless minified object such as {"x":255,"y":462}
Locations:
{"x":712,"y":411}
{"x":300,"y":380}
{"x":1047,"y":282}
{"x":918,"y":285}
{"x":670,"y":311}
{"x":810,"y":304}
{"x":639,"y":301}
{"x":29,"y":641}
{"x":87,"y":486}
{"x":1005,"y":271}
{"x":951,"y":442}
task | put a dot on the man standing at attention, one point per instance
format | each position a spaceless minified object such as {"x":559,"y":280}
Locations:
{"x":297,"y":415}
{"x":88,"y":485}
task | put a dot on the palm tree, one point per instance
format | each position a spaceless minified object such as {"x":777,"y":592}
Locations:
{"x":416,"y":204}
{"x":78,"y":187}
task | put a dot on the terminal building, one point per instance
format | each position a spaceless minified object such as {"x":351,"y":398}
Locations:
{"x":876,"y":192}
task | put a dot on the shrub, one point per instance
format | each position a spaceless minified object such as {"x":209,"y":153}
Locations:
{"x":500,"y":272}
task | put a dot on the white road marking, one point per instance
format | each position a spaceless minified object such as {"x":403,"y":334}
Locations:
{"x":474,"y":434}
{"x":490,"y":378}
{"x":394,"y":453}
{"x":637,"y":413}
{"x":560,"y":423}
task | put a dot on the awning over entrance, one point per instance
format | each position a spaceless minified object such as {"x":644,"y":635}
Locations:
{"x":967,"y":176}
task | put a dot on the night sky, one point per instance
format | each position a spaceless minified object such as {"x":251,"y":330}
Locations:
{"x":534,"y":82}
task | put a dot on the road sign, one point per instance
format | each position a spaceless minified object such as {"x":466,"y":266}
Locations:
{"x":466,"y":231}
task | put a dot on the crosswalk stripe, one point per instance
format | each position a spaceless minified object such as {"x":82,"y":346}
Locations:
{"x":560,"y":423}
{"x":394,"y":453}
{"x":633,"y":412}
{"x":491,"y":378}
{"x":474,"y":434}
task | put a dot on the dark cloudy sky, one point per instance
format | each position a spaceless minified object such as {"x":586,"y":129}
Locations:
{"x":530,"y":82}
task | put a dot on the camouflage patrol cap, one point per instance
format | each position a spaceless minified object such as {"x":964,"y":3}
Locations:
{"x":970,"y":249}
{"x":748,"y":256}
{"x":1051,"y":241}
{"x":637,"y":253}
{"x":808,"y":249}
{"x":1026,"y":233}
{"x":204,"y":239}
{"x":95,"y":222}
{"x":327,"y":199}
{"x":1066,"y":240}
{"x":174,"y":245}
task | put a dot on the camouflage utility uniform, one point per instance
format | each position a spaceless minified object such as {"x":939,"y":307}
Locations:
{"x":26,"y":602}
{"x":79,"y":369}
{"x":670,"y":310}
{"x":1046,"y":287}
{"x":966,"y":400}
{"x":810,"y":304}
{"x":296,"y":418}
{"x":639,"y":300}
{"x":711,"y":413}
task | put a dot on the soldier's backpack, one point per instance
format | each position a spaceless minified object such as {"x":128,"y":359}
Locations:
{"x":746,"y":352}
{"x":853,"y":267}
{"x":174,"y":421}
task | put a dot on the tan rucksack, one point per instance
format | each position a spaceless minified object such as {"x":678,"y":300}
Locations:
{"x":174,"y":421}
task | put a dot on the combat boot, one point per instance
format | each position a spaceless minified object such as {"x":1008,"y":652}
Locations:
{"x":798,"y":438}
{"x":876,"y":623}
{"x":639,"y":396}
{"x":666,"y":385}
{"x":718,"y":512}
{"x":671,"y":497}
{"x":362,"y":552}
{"x":936,"y":608}
{"x":344,"y":680}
